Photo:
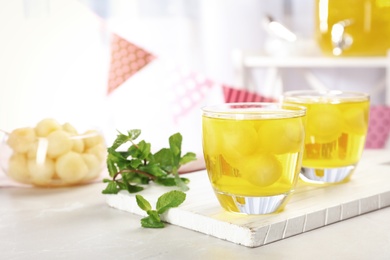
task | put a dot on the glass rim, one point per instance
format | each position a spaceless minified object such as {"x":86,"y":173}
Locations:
{"x":326,"y":95}
{"x":253,"y":110}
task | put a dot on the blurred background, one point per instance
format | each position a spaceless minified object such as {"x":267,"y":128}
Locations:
{"x":57,"y":58}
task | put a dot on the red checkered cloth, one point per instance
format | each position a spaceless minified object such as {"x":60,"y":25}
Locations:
{"x":378,"y":127}
{"x":241,"y":95}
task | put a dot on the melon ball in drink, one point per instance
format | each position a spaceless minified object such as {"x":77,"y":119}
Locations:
{"x":239,"y":141}
{"x":212,"y":136}
{"x":261,"y":169}
{"x":324,"y":123}
{"x":280,"y":136}
{"x":355,"y":120}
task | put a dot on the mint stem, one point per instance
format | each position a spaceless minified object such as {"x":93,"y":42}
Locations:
{"x":150,"y":176}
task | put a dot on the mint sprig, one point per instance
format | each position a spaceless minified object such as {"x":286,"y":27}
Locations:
{"x":171,"y":199}
{"x":132,"y":168}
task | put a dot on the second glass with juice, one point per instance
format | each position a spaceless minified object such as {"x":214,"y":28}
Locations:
{"x":337,"y":125}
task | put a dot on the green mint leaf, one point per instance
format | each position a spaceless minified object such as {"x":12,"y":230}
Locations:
{"x":133,"y":134}
{"x":122,"y":184}
{"x":120,"y":155}
{"x":135,"y":178}
{"x":129,"y":187}
{"x":169,"y":181}
{"x":165,"y":181}
{"x":140,"y":151}
{"x":164,"y":159}
{"x":120,"y":139}
{"x":117,"y":158}
{"x":153,"y":219}
{"x":125,"y":184}
{"x":153,"y":214}
{"x":179,"y":182}
{"x":153,"y":169}
{"x":112,"y":170}
{"x":111,"y":188}
{"x":143,"y":203}
{"x":149,"y":222}
{"x":169,"y":200}
{"x":188,"y":157}
{"x":135,"y":163}
{"x":134,"y":188}
{"x":175,"y":147}
{"x":185,"y":180}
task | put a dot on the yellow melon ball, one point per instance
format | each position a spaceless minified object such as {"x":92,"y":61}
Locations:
{"x":92,"y":138}
{"x":46,"y":126}
{"x":281,"y":136}
{"x":94,"y":165}
{"x":77,"y":144}
{"x":32,"y":151}
{"x":38,"y":149}
{"x":261,"y":169}
{"x":21,"y":139}
{"x":17,"y":168}
{"x":212,"y":138}
{"x":100,"y":151}
{"x":71,"y":168}
{"x":356,"y":120}
{"x":58,"y":143}
{"x":239,"y":141}
{"x":41,"y":172}
{"x":67,"y":127}
{"x":324,"y":123}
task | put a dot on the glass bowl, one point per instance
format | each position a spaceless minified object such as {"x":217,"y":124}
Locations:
{"x":53,"y":154}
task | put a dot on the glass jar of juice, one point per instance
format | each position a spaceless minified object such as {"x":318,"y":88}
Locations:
{"x":353,"y":27}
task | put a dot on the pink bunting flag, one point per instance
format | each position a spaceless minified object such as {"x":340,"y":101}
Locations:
{"x":241,"y":95}
{"x":378,"y":127}
{"x":190,"y":89}
{"x":126,"y":60}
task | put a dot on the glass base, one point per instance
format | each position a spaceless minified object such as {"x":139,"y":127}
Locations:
{"x":252,"y":205}
{"x":327,"y":176}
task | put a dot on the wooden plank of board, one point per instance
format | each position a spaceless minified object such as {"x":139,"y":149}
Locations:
{"x":309,"y":208}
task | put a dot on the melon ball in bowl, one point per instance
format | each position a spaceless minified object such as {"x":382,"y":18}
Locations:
{"x":53,"y":154}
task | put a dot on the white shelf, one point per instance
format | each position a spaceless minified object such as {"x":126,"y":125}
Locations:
{"x":244,"y":61}
{"x":317,"y":62}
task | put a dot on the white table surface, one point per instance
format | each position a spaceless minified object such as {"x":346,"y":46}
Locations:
{"x":76,"y":223}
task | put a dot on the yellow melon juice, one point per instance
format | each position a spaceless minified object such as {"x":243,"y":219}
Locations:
{"x":336,"y":131}
{"x":253,"y":154}
{"x":353,"y":27}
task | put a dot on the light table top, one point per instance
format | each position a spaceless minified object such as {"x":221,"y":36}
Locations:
{"x":76,"y":222}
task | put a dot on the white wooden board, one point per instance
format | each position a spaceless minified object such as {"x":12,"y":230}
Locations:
{"x":310,"y":206}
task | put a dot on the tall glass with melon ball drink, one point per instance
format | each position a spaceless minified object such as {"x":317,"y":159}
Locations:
{"x":253,"y":154}
{"x":337,"y":125}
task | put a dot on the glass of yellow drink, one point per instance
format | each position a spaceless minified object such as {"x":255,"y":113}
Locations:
{"x":253,"y":154}
{"x":336,"y":131}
